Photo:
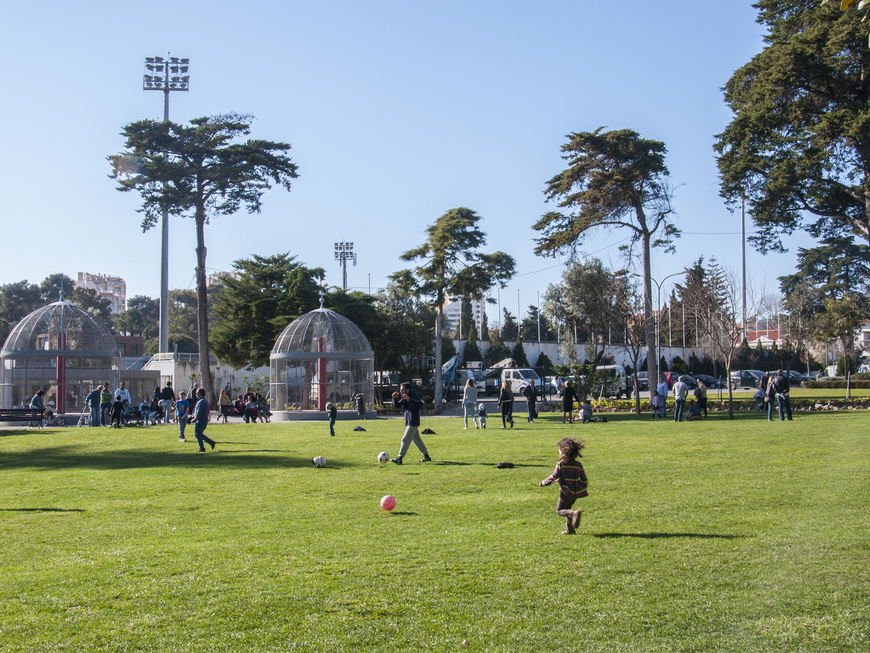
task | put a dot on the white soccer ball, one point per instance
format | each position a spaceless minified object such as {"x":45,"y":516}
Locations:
{"x":383,"y":457}
{"x":318,"y":461}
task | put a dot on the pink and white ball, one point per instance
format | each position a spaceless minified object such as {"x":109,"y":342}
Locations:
{"x":388,"y":502}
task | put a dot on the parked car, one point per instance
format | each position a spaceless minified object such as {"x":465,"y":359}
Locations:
{"x":746,"y":379}
{"x":689,"y":380}
{"x":711,"y":382}
{"x":642,"y":380}
{"x":797,"y":377}
{"x":673,"y":377}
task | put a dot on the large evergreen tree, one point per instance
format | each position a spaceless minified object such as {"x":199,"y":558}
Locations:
{"x":201,"y":171}
{"x":452,"y":264}
{"x":836,"y":267}
{"x":509,"y":326}
{"x":404,"y":329}
{"x":798,"y":148}
{"x":250,"y":313}
{"x":615,"y":180}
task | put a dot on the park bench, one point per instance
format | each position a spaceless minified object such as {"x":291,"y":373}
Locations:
{"x":31,"y":415}
{"x":227,"y":411}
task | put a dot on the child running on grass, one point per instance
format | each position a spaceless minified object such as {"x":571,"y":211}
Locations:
{"x":572,"y":482}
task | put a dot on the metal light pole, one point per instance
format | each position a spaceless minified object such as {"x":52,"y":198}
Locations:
{"x":167,"y":75}
{"x":343,"y":252}
{"x":743,"y":258}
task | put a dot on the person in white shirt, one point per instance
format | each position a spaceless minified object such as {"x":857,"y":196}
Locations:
{"x":123,"y":394}
{"x":681,"y":390}
{"x":469,"y":399}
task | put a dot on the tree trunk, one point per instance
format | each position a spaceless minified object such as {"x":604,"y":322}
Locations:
{"x":202,"y":311}
{"x":439,"y":311}
{"x":652,"y":361}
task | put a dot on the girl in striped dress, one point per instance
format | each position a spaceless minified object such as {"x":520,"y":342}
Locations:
{"x":572,"y":482}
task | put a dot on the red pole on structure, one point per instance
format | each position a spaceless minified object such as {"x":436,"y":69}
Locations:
{"x":60,"y":404}
{"x":321,"y":378}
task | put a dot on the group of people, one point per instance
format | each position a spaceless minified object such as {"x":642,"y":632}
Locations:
{"x":569,"y":397}
{"x":682,"y":413}
{"x":774,"y":388}
{"x":250,"y":405}
{"x":112,"y":409}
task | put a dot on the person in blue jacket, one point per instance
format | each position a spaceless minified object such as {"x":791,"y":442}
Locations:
{"x":200,"y":420}
{"x":406,"y":398}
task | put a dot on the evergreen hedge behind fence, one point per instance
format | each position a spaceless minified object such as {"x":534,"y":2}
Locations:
{"x":837,"y":384}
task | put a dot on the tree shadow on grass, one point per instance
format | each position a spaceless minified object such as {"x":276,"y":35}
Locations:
{"x":41,"y":509}
{"x":7,"y":432}
{"x":653,"y":536}
{"x":70,"y":457}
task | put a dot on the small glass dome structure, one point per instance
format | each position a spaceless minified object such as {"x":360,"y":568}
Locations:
{"x":318,"y":358}
{"x":61,"y":349}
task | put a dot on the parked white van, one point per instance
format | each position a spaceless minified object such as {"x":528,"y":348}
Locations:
{"x":610,"y":381}
{"x":518,"y":377}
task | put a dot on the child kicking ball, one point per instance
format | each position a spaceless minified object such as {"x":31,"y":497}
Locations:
{"x":572,"y":482}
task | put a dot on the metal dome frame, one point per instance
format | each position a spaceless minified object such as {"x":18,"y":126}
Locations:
{"x":61,"y":349}
{"x":320,"y":357}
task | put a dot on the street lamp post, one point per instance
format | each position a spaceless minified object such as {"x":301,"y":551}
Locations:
{"x":167,"y":75}
{"x":659,"y":285}
{"x":343,"y":253}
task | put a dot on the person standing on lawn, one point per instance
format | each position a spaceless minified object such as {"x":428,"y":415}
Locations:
{"x":200,"y":419}
{"x":531,"y":396}
{"x":663,"y":390}
{"x":506,"y":403}
{"x":93,"y":402}
{"x":769,"y":396}
{"x":701,"y":396}
{"x":105,"y":405}
{"x":681,"y":390}
{"x":469,"y":399}
{"x":781,"y":386}
{"x":333,"y":415}
{"x":572,"y":482}
{"x":407,"y":399}
{"x":182,"y":408}
{"x":569,"y":395}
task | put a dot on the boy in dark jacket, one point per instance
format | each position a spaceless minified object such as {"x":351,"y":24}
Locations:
{"x":406,"y":398}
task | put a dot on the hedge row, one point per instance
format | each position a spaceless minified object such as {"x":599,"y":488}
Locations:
{"x":837,"y":384}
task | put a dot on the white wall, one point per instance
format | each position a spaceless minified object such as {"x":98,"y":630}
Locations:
{"x":620,"y":356}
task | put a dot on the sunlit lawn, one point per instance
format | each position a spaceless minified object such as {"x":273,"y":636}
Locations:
{"x":713,"y":536}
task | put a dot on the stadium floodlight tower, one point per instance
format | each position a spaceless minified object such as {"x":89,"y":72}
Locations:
{"x":167,"y":75}
{"x":343,"y":252}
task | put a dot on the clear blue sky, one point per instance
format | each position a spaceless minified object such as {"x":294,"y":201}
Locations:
{"x":397,"y":111}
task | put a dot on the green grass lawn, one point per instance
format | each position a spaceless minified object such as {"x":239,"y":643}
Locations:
{"x":714,"y":536}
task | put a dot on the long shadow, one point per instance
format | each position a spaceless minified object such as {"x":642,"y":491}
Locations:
{"x":66,"y":457}
{"x":653,"y":536}
{"x":461,"y":464}
{"x":41,"y":510}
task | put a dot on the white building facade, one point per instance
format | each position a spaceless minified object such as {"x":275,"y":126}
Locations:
{"x":113,"y":289}
{"x":453,"y":314}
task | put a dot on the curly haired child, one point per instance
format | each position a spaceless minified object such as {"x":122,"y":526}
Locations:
{"x":572,"y":482}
